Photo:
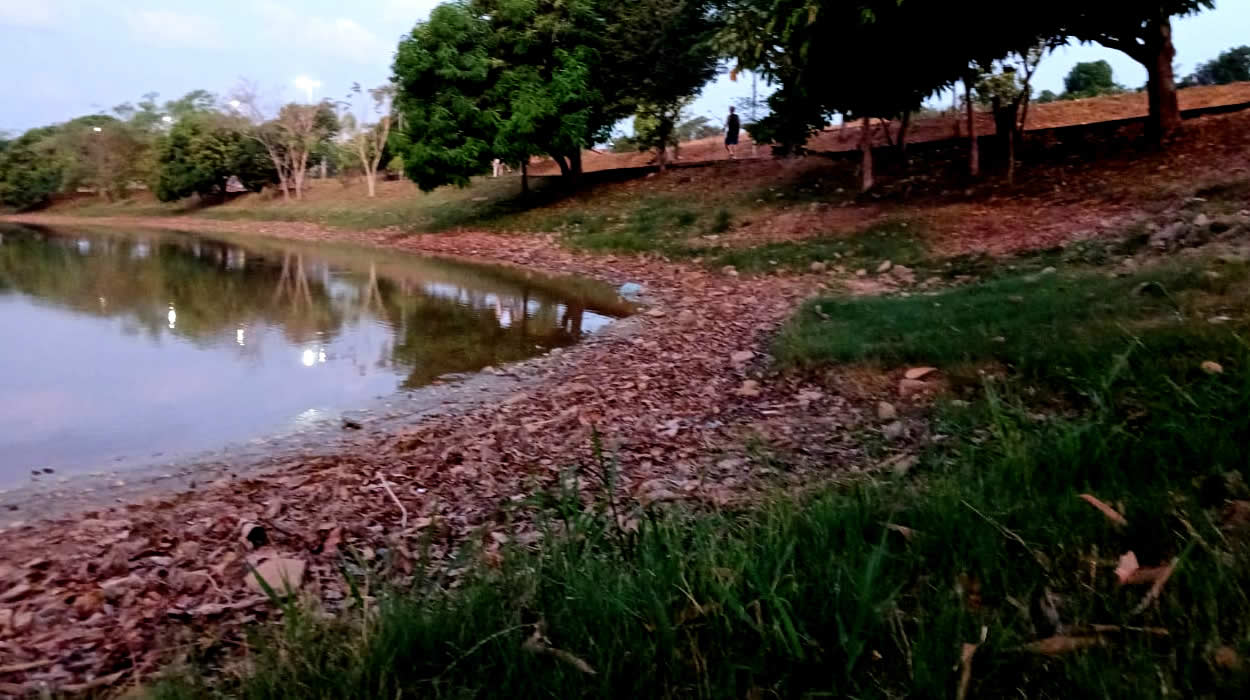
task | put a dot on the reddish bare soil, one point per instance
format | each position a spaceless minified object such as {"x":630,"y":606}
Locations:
{"x":846,"y":138}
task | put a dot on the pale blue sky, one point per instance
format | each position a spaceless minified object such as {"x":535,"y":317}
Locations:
{"x":63,"y":58}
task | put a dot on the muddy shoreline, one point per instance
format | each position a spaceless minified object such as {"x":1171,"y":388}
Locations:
{"x":674,"y":394}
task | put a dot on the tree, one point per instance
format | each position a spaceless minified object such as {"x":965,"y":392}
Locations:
{"x":1142,"y":29}
{"x":444,"y":78}
{"x":511,"y":79}
{"x":289,"y":136}
{"x":1231,"y":66}
{"x":1090,"y":79}
{"x":1047,"y":96}
{"x":200,"y":155}
{"x":368,"y":140}
{"x":668,"y":44}
{"x":100,"y":152}
{"x":1008,"y":93}
{"x":31,"y":169}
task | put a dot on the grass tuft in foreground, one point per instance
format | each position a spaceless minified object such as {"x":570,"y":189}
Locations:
{"x":871,"y":589}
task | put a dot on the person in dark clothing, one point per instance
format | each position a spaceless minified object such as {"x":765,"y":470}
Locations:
{"x":732,"y":127}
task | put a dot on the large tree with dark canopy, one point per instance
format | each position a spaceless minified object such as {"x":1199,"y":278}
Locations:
{"x":1143,"y":30}
{"x":510,"y":79}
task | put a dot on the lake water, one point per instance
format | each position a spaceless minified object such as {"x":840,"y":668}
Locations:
{"x":119,"y":347}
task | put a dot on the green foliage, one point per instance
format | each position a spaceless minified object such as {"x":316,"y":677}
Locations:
{"x":201,"y":152}
{"x":31,"y":169}
{"x":1230,"y":66}
{"x":1090,"y":79}
{"x":444,"y":75}
{"x":1047,"y":96}
{"x":510,"y":79}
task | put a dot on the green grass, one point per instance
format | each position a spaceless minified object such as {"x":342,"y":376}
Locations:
{"x":896,"y":241}
{"x":816,"y":597}
{"x":659,"y":224}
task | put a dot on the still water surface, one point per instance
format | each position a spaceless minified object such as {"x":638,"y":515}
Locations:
{"x":117,"y":347}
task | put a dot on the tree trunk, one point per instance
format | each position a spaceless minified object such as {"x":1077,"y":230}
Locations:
{"x":661,"y":157}
{"x":902,"y":136}
{"x":974,"y":155}
{"x":1165,"y":111}
{"x":371,"y":178}
{"x":575,"y":163}
{"x":885,"y":126}
{"x":865,"y":149}
{"x":525,"y":177}
{"x":563,"y":163}
{"x":1011,"y":156}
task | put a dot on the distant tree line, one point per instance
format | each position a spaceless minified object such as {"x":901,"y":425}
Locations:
{"x":510,"y":80}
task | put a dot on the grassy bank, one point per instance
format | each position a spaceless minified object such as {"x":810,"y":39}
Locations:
{"x":873,"y":587}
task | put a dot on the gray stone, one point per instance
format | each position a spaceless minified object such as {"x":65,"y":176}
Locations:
{"x":817,"y":267}
{"x":893,"y":431}
{"x":1168,"y":236}
{"x":1202,"y":221}
{"x":886,"y":411}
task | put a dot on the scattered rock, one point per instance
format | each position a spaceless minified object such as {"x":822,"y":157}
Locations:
{"x":1047,"y":271}
{"x":631,"y":290}
{"x":686,"y":317}
{"x":886,"y":411}
{"x":885,"y":266}
{"x":656,"y":313}
{"x":900,"y":464}
{"x":729,"y":270}
{"x":817,"y":267}
{"x":281,"y":574}
{"x":349,"y":424}
{"x":903,"y":274}
{"x":1167,"y":236}
{"x":750,"y":387}
{"x":861,"y":272}
{"x":741,"y":357}
{"x":1211,"y":367}
{"x":919,"y":372}
{"x":892,"y":431}
{"x":1202,"y":221}
{"x":908,"y":388}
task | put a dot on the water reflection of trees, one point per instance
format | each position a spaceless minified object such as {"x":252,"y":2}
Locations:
{"x":443,"y":319}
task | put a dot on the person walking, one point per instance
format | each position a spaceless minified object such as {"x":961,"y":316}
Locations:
{"x":732,"y":127}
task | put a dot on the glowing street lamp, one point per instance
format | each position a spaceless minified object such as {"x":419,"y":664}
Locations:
{"x":307,"y":84}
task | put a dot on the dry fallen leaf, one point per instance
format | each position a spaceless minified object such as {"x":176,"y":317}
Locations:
{"x":1063,"y":644}
{"x":1211,"y":367}
{"x":1112,"y":514}
{"x":919,"y":372}
{"x":1126,"y":567}
{"x":279,"y":573}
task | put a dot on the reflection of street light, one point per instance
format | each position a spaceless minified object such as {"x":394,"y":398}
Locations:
{"x":307,"y":84}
